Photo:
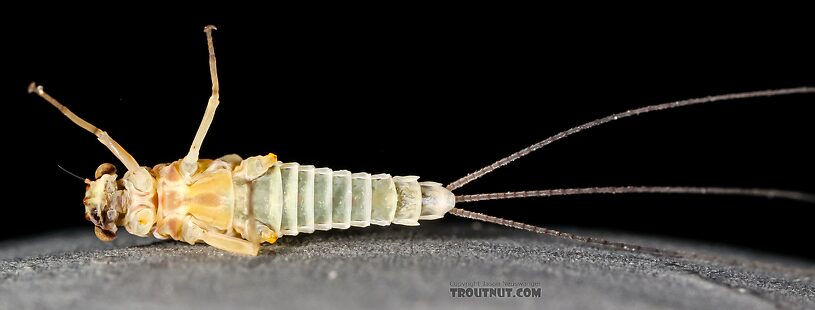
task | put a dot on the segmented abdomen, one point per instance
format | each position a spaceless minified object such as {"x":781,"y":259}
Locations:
{"x":291,"y":198}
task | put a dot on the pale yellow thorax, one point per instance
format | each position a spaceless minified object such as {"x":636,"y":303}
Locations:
{"x":187,"y":208}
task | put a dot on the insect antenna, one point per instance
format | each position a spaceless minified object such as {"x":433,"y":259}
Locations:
{"x":71,"y":173}
{"x":652,"y":108}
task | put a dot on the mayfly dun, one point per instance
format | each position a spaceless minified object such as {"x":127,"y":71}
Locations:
{"x":237,"y":204}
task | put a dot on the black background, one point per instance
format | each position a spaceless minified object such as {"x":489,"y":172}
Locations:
{"x":435,"y":95}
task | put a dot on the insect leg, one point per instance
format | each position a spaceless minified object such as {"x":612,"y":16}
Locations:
{"x":103,"y":136}
{"x":231,"y":244}
{"x":190,"y":163}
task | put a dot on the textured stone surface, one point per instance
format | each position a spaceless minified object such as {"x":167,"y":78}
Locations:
{"x":390,"y":266}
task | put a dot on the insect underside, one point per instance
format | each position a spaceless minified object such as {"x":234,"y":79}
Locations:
{"x":230,"y":199}
{"x":237,"y":204}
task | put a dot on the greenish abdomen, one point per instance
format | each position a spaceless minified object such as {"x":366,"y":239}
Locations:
{"x":291,"y":198}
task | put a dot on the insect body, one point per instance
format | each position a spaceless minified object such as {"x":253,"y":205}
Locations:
{"x":237,"y":204}
{"x":260,"y":198}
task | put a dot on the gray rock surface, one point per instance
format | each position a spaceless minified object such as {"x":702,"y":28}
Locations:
{"x":395,"y":266}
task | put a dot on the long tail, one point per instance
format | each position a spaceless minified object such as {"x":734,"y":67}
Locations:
{"x":652,"y":108}
{"x":755,"y":192}
{"x":628,"y":247}
{"x":551,"y":232}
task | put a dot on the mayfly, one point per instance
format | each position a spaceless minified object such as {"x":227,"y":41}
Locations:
{"x":237,"y":204}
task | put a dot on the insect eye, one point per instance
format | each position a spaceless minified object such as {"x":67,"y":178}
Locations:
{"x":92,"y":216}
{"x":106,"y":168}
{"x":104,"y":235}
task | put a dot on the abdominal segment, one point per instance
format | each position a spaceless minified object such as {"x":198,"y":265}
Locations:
{"x":289,"y":198}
